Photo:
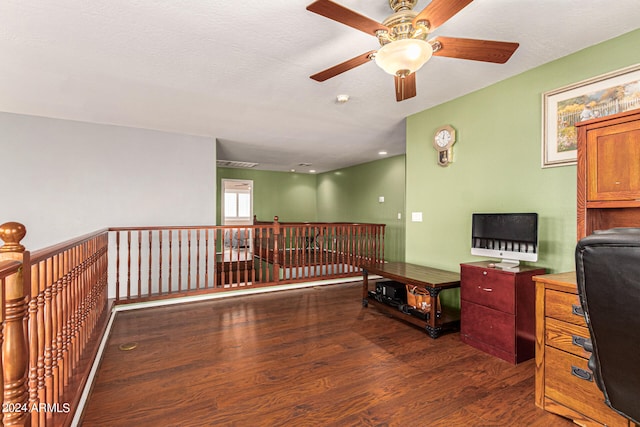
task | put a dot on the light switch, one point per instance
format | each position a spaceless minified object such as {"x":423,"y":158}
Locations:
{"x":381,"y":199}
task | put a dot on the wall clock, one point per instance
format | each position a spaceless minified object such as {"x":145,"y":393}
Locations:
{"x":443,"y":140}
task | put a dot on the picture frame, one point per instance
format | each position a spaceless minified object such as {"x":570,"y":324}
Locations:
{"x":599,"y":96}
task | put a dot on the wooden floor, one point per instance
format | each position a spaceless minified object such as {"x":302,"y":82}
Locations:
{"x":310,"y":357}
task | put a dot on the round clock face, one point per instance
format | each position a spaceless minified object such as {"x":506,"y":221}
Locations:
{"x":443,"y":138}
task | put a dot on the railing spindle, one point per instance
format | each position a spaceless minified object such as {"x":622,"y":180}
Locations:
{"x":179,"y":260}
{"x":118,"y":266}
{"x":34,"y":343}
{"x":66,"y":319}
{"x":160,"y":285}
{"x":170,"y":258}
{"x":139,"y":263}
{"x":189,"y":259}
{"x":206,"y":258}
{"x":149,"y":290}
{"x":129,"y":261}
{"x":48,"y":332}
{"x":198,"y":259}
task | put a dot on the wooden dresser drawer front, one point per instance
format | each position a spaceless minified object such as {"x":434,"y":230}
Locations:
{"x":566,"y":336}
{"x":562,"y":386}
{"x":489,"y":326}
{"x":564,"y":306}
{"x":488,"y":287}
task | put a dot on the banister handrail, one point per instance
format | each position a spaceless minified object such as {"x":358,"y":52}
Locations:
{"x":256,"y":221}
{"x":9,"y":267}
{"x":182,"y":227}
{"x":44,"y":253}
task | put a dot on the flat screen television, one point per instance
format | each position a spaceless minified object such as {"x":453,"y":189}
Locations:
{"x":512,"y":237}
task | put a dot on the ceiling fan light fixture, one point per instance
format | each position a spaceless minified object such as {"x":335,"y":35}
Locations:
{"x":403,"y":57}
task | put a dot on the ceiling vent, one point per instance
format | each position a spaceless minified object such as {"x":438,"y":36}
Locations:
{"x":236,"y":164}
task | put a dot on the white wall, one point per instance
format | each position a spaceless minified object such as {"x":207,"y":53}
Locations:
{"x":62,"y":179}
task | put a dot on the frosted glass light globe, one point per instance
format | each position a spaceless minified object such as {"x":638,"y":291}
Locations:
{"x":403,"y":57}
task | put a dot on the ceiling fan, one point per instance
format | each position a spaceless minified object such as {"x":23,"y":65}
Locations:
{"x":404,"y":47}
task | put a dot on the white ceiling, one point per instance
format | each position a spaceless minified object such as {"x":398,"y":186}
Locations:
{"x":239,"y":71}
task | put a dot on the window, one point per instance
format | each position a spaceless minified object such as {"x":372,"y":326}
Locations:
{"x":237,"y":204}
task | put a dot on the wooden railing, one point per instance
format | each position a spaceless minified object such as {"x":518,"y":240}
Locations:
{"x":54,"y":316}
{"x":167,"y":262}
{"x":54,"y":305}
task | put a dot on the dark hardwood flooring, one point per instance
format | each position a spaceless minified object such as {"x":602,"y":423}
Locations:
{"x":309,"y":357}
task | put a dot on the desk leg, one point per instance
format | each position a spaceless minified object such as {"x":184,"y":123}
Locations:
{"x":365,"y":288}
{"x":433,"y":327}
{"x":434,"y":332}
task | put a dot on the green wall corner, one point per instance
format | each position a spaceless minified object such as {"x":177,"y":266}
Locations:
{"x":352,"y":194}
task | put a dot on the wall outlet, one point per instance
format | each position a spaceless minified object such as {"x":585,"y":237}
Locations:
{"x":416,"y":216}
{"x":381,"y":199}
{"x":399,"y":215}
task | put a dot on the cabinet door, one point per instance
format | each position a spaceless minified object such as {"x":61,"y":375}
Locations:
{"x":613,"y":162}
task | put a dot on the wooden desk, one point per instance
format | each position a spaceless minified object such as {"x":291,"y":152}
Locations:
{"x":560,"y":331}
{"x":431,"y":279}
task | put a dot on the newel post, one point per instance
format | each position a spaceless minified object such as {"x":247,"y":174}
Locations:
{"x":14,"y":348}
{"x":276,"y":249}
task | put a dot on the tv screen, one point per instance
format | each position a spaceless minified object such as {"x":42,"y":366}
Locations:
{"x":513,"y":237}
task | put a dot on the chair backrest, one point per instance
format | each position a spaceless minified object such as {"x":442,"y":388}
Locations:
{"x":608,"y":276}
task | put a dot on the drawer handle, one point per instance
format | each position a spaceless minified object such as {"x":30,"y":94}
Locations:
{"x":581,"y":373}
{"x":484,"y":273}
{"x":577,"y":310}
{"x":487,"y":289}
{"x":578,"y":340}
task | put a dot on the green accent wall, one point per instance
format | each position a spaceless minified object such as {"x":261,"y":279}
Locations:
{"x":497,"y":162}
{"x":349,"y":195}
{"x":290,"y":196}
{"x":352,"y":194}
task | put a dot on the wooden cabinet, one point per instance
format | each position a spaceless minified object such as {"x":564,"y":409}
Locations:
{"x":497,"y":310}
{"x":564,"y":383}
{"x":608,"y":173}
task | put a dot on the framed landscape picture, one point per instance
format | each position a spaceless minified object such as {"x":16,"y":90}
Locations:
{"x":597,"y":97}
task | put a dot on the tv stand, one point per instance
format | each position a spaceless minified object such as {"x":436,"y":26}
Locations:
{"x":431,"y":279}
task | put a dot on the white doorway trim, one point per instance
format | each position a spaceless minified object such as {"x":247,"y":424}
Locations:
{"x":238,"y":187}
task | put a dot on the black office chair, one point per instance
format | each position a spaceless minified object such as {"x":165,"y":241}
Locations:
{"x":608,"y":275}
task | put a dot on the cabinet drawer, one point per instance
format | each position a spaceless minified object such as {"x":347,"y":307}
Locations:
{"x":487,"y":325}
{"x":566,"y":336}
{"x":488,"y":287}
{"x":581,"y":395}
{"x":564,"y":306}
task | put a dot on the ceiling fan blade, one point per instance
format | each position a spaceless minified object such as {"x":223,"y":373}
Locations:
{"x":475,"y":50}
{"x":405,"y":87}
{"x":440,"y":11}
{"x":345,"y":66}
{"x":334,"y":11}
